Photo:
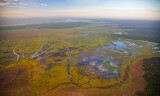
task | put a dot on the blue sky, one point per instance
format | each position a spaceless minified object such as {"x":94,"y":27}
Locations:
{"x":121,"y":9}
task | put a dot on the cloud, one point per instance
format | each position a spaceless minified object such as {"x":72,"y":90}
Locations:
{"x":43,"y":5}
{"x":89,"y":13}
{"x":8,"y":2}
{"x":38,"y":8}
{"x":21,"y":3}
{"x":4,"y":3}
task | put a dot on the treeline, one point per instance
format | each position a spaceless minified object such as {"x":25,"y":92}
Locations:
{"x":141,"y":35}
{"x":52,"y":25}
{"x":152,"y":76}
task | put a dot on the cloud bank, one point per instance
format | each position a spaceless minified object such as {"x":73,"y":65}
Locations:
{"x":118,"y":9}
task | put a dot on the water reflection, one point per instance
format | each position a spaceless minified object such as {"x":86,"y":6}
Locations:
{"x":105,"y":61}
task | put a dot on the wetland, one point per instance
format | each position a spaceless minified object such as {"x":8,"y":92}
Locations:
{"x":90,"y":58}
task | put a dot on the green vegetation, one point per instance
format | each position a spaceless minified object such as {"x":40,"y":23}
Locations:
{"x":152,"y":76}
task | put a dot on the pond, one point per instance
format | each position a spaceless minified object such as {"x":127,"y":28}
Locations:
{"x":105,"y":61}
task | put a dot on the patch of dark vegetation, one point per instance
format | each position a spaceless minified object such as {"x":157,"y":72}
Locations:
{"x":152,"y":36}
{"x":72,"y":48}
{"x":136,"y":29}
{"x":61,"y":25}
{"x":55,"y":25}
{"x":5,"y":60}
{"x":131,"y":24}
{"x":18,"y":27}
{"x":56,"y":54}
{"x":152,"y":76}
{"x":5,"y":51}
{"x":58,"y":60}
{"x":48,"y":67}
{"x":42,"y":61}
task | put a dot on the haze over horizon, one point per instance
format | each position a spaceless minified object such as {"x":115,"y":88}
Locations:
{"x":111,"y":9}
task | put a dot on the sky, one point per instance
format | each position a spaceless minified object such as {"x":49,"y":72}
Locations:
{"x":111,"y":9}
